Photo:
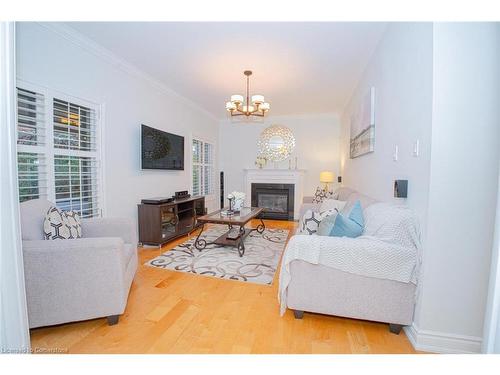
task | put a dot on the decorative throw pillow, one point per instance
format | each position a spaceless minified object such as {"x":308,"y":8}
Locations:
{"x":61,"y":225}
{"x":310,"y":221}
{"x":326,"y":225}
{"x":349,"y":226}
{"x":331,"y":204}
{"x":321,"y":195}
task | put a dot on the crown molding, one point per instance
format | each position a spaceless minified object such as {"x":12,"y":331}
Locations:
{"x":106,"y":55}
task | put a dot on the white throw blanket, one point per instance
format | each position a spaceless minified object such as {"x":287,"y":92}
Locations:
{"x":388,"y":249}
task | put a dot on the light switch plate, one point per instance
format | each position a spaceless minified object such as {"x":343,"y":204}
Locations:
{"x":396,"y":152}
{"x":416,"y":148}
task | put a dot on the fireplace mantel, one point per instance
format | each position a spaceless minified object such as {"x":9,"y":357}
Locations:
{"x":276,"y":176}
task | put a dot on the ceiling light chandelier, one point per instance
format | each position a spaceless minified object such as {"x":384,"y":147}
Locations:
{"x":240,"y":107}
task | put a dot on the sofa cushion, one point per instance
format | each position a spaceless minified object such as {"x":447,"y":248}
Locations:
{"x":364,"y":200}
{"x":342,"y":193}
{"x":349,"y":226}
{"x":331,"y":204}
{"x":32,"y":217}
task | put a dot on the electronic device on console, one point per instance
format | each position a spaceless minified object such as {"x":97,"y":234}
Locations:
{"x":181,"y":195}
{"x":157,"y":200}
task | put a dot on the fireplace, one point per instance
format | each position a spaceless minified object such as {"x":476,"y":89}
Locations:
{"x":276,"y":199}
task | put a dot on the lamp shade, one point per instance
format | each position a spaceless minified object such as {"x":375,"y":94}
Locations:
{"x":326,"y":176}
{"x":257,"y":99}
{"x":230,"y":106}
{"x":237,"y":99}
{"x":264,"y":107}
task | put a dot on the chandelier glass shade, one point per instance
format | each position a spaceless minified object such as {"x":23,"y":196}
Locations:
{"x":254,"y":105}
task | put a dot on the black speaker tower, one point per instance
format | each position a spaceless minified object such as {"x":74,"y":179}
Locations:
{"x":221,"y":189}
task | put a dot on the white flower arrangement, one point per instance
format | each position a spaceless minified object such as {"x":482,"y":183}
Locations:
{"x":239,"y":199}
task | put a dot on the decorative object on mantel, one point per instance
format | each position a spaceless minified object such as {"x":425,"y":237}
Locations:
{"x":362,"y":139}
{"x":276,"y":143}
{"x":326,"y":177}
{"x":260,"y":162}
{"x":238,"y":106}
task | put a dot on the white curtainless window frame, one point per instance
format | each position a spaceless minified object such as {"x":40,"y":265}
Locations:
{"x":203,"y":167}
{"x":58,"y":148}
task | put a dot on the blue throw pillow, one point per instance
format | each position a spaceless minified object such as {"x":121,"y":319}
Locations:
{"x":351,"y":226}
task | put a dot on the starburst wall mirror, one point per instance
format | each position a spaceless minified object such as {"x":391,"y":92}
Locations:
{"x":276,"y":143}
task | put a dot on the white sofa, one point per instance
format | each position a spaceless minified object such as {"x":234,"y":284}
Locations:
{"x":309,"y":286}
{"x":77,"y":279}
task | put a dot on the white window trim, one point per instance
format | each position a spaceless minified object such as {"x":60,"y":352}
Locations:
{"x":48,"y":149}
{"x":211,"y":197}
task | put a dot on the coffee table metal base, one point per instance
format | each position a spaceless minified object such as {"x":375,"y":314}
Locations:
{"x":238,"y":242}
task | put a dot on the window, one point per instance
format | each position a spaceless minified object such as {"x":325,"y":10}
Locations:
{"x":203,"y":168}
{"x":61,"y":162}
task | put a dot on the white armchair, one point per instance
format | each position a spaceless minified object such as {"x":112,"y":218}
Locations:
{"x":77,"y":279}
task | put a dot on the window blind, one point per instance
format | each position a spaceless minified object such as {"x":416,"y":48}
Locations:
{"x":76,"y":184}
{"x":32,"y":176}
{"x":30,"y":118}
{"x":203,"y":168}
{"x":65,"y":167}
{"x":74,"y":126}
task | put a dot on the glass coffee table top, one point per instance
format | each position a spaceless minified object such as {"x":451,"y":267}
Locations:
{"x":244,"y":215}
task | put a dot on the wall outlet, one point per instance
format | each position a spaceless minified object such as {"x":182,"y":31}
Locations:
{"x":416,"y":149}
{"x":396,"y":153}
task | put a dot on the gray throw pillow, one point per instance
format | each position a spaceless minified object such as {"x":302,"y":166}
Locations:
{"x":326,"y":225}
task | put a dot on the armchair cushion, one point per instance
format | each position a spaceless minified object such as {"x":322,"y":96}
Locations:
{"x":110,"y":227}
{"x":32,"y":217}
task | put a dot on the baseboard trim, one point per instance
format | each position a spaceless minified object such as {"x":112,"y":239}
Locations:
{"x":440,"y":342}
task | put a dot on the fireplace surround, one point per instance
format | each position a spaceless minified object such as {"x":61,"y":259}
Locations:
{"x":276,"y":199}
{"x":294,"y":177}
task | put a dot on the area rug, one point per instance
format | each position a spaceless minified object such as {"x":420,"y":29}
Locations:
{"x":258,"y":264}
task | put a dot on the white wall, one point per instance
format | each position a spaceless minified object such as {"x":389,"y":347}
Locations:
{"x":438,"y":83}
{"x":14,"y":328}
{"x":463,"y":179}
{"x":317,"y":147}
{"x":491,"y":336}
{"x":50,"y":59}
{"x":401,"y":72}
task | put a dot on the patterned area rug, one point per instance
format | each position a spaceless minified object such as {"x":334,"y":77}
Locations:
{"x":258,"y":264}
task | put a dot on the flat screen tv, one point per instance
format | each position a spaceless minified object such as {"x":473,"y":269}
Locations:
{"x":161,"y":150}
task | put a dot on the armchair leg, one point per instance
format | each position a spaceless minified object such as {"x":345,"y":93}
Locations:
{"x":395,"y":328}
{"x":298,"y":314}
{"x":113,"y":319}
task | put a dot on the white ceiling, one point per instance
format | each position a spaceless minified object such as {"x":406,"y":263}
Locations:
{"x":299,"y":67}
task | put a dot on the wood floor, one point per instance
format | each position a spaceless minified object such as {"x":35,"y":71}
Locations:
{"x":175,"y":312}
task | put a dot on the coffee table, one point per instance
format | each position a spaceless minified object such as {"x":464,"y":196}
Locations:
{"x":239,"y":219}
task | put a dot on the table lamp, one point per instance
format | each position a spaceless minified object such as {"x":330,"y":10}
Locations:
{"x":326,"y":177}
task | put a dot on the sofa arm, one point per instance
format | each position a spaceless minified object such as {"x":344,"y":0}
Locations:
{"x":70,"y":280}
{"x":124,"y":228}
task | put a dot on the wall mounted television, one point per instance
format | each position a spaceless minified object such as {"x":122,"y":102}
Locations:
{"x":161,"y":150}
